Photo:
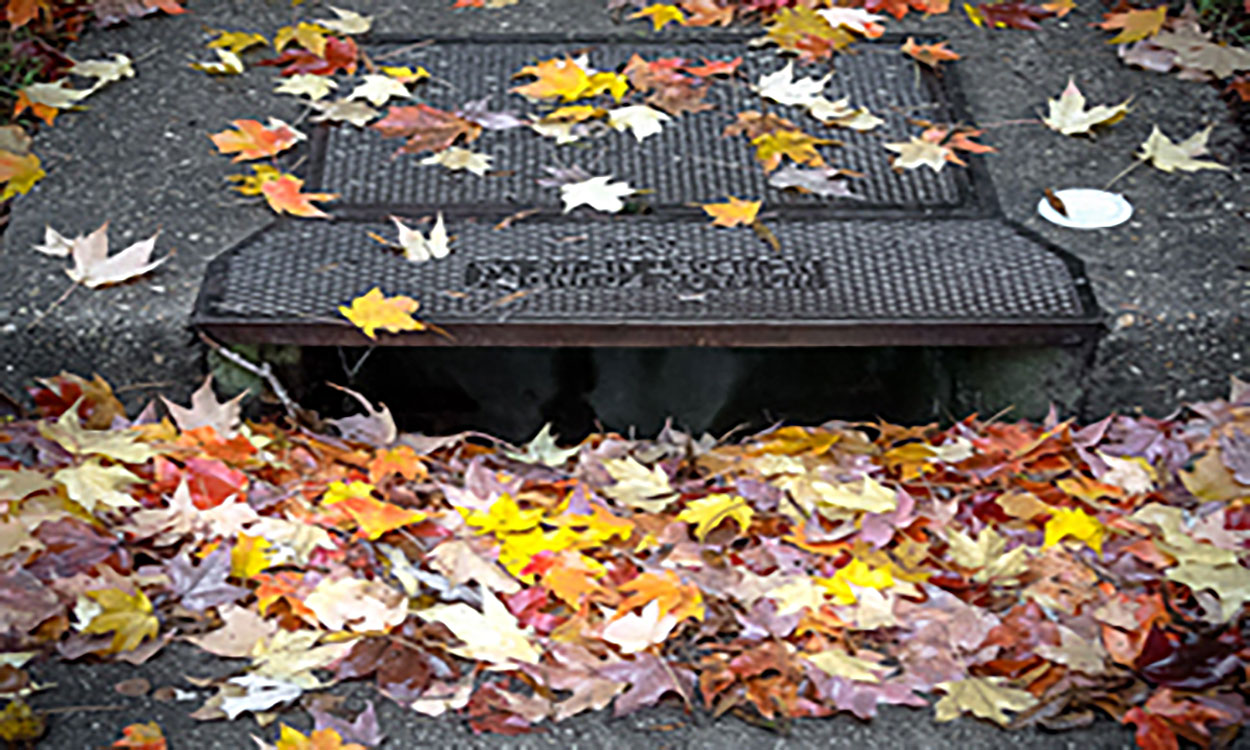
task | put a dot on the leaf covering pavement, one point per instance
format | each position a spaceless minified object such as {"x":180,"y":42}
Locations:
{"x":1021,"y":573}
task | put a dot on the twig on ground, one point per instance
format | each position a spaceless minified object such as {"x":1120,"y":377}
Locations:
{"x":262,"y":371}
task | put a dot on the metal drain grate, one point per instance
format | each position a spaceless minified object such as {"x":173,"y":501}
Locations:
{"x":919,"y":258}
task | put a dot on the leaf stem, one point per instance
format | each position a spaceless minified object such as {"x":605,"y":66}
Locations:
{"x":52,"y":307}
{"x":1136,"y":163}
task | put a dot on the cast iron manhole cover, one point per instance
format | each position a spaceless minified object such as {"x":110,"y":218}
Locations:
{"x":920,"y":257}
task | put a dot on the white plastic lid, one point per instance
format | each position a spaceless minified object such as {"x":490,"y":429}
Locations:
{"x":1087,"y":209}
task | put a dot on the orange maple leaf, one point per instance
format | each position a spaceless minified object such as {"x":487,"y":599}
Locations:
{"x":680,"y":599}
{"x":142,"y":737}
{"x":557,"y":79}
{"x":373,"y":310}
{"x":321,"y":739}
{"x":283,"y":195}
{"x":252,"y":140}
{"x":929,"y":54}
{"x":374,"y":518}
{"x":44,"y":112}
{"x":733,"y":213}
{"x":21,"y":12}
{"x":400,"y":460}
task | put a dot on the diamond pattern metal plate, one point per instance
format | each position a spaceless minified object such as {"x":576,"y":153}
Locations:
{"x":921,"y":257}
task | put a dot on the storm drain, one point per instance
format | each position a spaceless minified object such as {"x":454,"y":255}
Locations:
{"x":920,"y":257}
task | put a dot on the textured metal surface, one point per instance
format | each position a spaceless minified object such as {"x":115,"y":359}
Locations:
{"x":634,"y":279}
{"x":690,"y":161}
{"x":920,"y":258}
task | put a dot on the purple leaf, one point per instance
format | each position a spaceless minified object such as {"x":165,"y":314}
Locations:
{"x":204,"y":586}
{"x":1235,"y":450}
{"x":649,"y":679}
{"x":364,"y":729}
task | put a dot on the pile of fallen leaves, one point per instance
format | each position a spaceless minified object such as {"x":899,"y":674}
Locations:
{"x":1026,"y":574}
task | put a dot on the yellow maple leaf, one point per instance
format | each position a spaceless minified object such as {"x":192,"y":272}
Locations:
{"x":859,"y":573}
{"x":557,"y":79}
{"x":405,"y":74}
{"x":373,"y":310}
{"x":310,"y":36}
{"x":128,"y":617}
{"x":504,"y":517}
{"x":708,"y":513}
{"x":614,"y":83}
{"x":235,"y":41}
{"x":320,"y":739}
{"x":661,"y":15}
{"x":794,"y":144}
{"x":733,"y":213}
{"x":19,"y":173}
{"x":249,"y":556}
{"x":1075,"y":523}
{"x":1134,"y":25}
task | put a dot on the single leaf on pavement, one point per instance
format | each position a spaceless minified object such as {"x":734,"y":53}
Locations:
{"x":929,"y":54}
{"x":426,"y":128}
{"x":104,"y":71}
{"x":1163,"y":154}
{"x":342,"y":110}
{"x":236,"y":41}
{"x":661,"y":15}
{"x":252,"y":140}
{"x":94,"y":268}
{"x":310,"y":36}
{"x":347,"y":22}
{"x":419,"y":248}
{"x":46,"y":100}
{"x":639,"y":119}
{"x":228,"y":64}
{"x":856,"y":19}
{"x":373,"y":310}
{"x":457,"y":159}
{"x":1069,"y":116}
{"x":780,"y":86}
{"x":986,"y":697}
{"x":735,"y":212}
{"x":283,"y":195}
{"x":600,"y":193}
{"x":917,"y":152}
{"x":825,"y":181}
{"x":318,"y":739}
{"x":796,"y":145}
{"x":127,"y":616}
{"x":141,"y":737}
{"x":1134,"y":24}
{"x":306,"y":84}
{"x":378,"y":89}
